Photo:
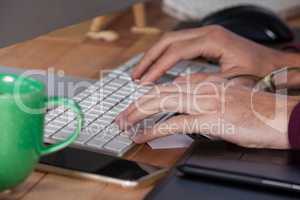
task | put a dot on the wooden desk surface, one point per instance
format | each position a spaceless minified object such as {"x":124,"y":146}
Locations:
{"x":68,"y":50}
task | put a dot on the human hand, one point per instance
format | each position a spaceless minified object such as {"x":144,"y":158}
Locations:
{"x":239,"y":115}
{"x":236,"y":55}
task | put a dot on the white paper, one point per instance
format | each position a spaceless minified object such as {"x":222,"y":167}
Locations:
{"x":171,"y":142}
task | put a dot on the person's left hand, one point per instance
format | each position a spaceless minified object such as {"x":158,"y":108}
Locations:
{"x":234,"y":114}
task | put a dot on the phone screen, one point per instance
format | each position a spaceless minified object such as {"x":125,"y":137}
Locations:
{"x":99,"y":164}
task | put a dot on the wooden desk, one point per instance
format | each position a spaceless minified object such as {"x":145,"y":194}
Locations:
{"x":68,"y":50}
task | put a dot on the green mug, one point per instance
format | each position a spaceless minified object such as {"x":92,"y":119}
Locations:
{"x":23,"y":106}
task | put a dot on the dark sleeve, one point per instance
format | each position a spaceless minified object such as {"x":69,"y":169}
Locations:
{"x":294,"y":128}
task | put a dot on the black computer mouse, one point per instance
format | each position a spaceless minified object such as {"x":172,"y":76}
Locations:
{"x":253,"y":22}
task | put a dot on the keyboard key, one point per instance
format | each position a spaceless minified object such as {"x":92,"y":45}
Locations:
{"x":96,"y":143}
{"x":125,"y":76}
{"x":81,"y":96}
{"x":57,"y":123}
{"x":113,"y":75}
{"x":112,"y":100}
{"x":65,"y":119}
{"x":121,"y":94}
{"x":116,"y":146}
{"x":111,"y":114}
{"x":85,"y":135}
{"x":118,"y":96}
{"x":107,"y":118}
{"x":86,"y":104}
{"x":57,"y":111}
{"x":89,"y":118}
{"x":111,"y":87}
{"x":118,"y":82}
{"x":50,"y":130}
{"x":106,"y":104}
{"x":113,"y":129}
{"x":69,"y":113}
{"x":102,"y":122}
{"x":92,"y":88}
{"x":49,"y":117}
{"x":96,"y":127}
{"x":123,"y":139}
{"x":114,"y":111}
{"x":103,"y":81}
{"x":103,"y":136}
{"x":95,"y":112}
{"x":90,"y":115}
{"x":92,"y":100}
{"x":64,"y":133}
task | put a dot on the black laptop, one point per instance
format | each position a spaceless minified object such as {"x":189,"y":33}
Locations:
{"x":281,"y":166}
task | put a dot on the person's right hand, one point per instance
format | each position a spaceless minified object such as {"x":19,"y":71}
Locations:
{"x":236,"y":55}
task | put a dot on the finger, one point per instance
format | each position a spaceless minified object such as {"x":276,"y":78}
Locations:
{"x":181,"y":50}
{"x":169,"y":38}
{"x":207,"y":90}
{"x":164,"y":103}
{"x":206,"y":47}
{"x":210,"y":44}
{"x":122,"y":117}
{"x":153,"y":93}
{"x":204,"y":88}
{"x":178,"y":103}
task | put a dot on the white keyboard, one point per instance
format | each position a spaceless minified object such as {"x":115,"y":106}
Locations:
{"x":101,"y":103}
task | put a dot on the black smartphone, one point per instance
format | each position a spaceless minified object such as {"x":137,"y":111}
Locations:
{"x":87,"y":164}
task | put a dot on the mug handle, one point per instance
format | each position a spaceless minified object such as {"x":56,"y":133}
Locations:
{"x":44,"y":150}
